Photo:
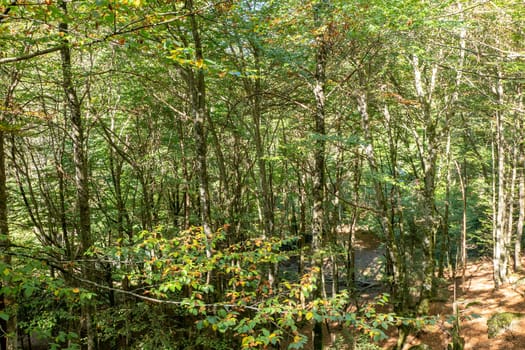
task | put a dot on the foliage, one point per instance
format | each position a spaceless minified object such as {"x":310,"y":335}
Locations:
{"x":196,"y":115}
{"x":170,"y":285}
{"x":176,"y":271}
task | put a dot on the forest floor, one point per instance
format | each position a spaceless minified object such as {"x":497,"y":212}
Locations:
{"x":477,"y":301}
{"x":476,"y":298}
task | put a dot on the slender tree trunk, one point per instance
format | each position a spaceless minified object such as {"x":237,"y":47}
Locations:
{"x":301,"y":183}
{"x":78,"y":139}
{"x":520,"y":173}
{"x":318,"y":191}
{"x":66,"y":242}
{"x":186,"y":175}
{"x":6,"y":303}
{"x":225,"y":193}
{"x":8,"y":336}
{"x":254,"y":87}
{"x":500,"y":249}
{"x":81,"y":169}
{"x":350,"y":252}
{"x":444,"y":241}
{"x":115,"y":167}
{"x":336,"y":211}
{"x":198,"y":108}
{"x":428,"y":158}
{"x":521,"y":199}
{"x":318,"y":214}
{"x":511,"y":191}
{"x":521,"y":215}
{"x":462,"y":246}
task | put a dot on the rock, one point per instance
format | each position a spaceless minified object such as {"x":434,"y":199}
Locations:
{"x":501,"y":322}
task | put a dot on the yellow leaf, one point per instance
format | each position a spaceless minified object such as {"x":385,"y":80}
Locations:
{"x":246,"y":341}
{"x":309,"y":315}
{"x":199,"y":63}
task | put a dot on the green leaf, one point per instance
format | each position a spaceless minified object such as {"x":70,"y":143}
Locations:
{"x":28,"y":291}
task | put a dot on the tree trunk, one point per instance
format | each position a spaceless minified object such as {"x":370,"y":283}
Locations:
{"x":318,"y":191}
{"x":350,"y":251}
{"x":254,"y":90}
{"x":304,"y":237}
{"x":318,"y":230}
{"x":78,"y":139}
{"x":8,"y":336}
{"x":521,"y":216}
{"x":500,"y":249}
{"x":199,"y":113}
{"x":254,"y":87}
{"x":225,"y":195}
{"x":511,"y":191}
{"x":186,"y":175}
{"x":521,"y":194}
{"x":462,"y":246}
{"x":520,"y":163}
{"x":444,"y":241}
{"x":428,"y":158}
{"x":81,"y":169}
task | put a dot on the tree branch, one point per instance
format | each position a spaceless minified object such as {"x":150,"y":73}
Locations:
{"x":31,"y":55}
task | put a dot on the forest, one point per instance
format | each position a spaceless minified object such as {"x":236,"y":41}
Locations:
{"x":199,"y":174}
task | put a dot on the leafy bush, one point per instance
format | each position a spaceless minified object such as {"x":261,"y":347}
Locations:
{"x":169,"y":293}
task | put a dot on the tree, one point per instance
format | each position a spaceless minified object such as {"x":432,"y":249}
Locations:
{"x":204,"y":167}
{"x":8,"y":323}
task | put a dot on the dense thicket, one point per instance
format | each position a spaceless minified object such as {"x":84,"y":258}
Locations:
{"x":193,"y":174}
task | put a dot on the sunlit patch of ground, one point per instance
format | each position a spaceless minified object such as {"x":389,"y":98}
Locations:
{"x":477,"y":302}
{"x":480,"y":301}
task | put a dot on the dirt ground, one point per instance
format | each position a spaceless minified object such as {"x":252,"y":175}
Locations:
{"x":476,"y":299}
{"x":477,"y":302}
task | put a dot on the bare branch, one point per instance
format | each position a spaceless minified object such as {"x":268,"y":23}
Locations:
{"x":31,"y":55}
